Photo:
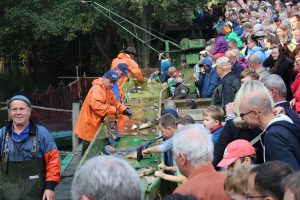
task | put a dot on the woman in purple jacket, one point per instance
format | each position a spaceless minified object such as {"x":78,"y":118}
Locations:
{"x":221,"y":44}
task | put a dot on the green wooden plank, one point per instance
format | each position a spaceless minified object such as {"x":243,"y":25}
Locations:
{"x":65,"y":162}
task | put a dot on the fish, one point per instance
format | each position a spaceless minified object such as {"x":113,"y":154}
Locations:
{"x":145,"y":171}
{"x":131,"y":155}
{"x":108,"y":150}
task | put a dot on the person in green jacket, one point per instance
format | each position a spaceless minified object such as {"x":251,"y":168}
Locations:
{"x":231,"y":35}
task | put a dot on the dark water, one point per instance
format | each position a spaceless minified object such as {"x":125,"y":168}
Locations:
{"x":15,"y":78}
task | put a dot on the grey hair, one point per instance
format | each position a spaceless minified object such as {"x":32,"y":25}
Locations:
{"x":106,"y":178}
{"x":254,"y":59}
{"x":195,"y":142}
{"x":275,"y":81}
{"x":247,"y":88}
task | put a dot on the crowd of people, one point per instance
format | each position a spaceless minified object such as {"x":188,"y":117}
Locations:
{"x":249,"y":143}
{"x":247,"y":147}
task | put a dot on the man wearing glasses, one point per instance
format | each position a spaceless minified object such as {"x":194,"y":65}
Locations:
{"x":280,"y":137}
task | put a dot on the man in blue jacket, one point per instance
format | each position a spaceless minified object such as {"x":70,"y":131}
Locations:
{"x":207,"y":79}
{"x":280,"y":137}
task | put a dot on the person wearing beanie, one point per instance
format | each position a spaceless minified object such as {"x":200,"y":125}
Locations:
{"x":29,"y":156}
{"x":207,"y":79}
{"x":99,"y":102}
{"x":128,"y":57}
{"x":231,"y":35}
{"x":181,"y":90}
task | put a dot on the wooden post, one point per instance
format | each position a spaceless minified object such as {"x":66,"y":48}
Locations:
{"x":75,"y":112}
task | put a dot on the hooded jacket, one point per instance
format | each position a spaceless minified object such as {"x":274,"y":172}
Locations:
{"x":281,"y":141}
{"x":98,"y":103}
{"x":207,"y":82}
{"x":234,"y":36}
{"x":132,"y":65}
{"x":221,"y":45}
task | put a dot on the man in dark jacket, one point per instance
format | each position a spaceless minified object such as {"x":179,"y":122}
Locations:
{"x":228,"y":85}
{"x":280,"y":137}
{"x":207,"y":79}
{"x":277,"y":88}
{"x":237,"y":68}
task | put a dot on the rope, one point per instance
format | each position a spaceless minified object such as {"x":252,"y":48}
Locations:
{"x":51,"y":109}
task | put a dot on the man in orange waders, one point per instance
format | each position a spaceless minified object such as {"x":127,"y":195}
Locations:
{"x":99,"y":102}
{"x":128,"y":57}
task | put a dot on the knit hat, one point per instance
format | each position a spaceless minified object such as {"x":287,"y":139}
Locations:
{"x":19,"y":97}
{"x":235,"y":150}
{"x":111,"y":75}
{"x":176,"y":73}
{"x":131,"y":50}
{"x":256,"y":28}
{"x":123,"y":68}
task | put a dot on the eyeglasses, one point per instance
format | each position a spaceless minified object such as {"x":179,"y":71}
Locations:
{"x":248,"y":196}
{"x":244,"y":114}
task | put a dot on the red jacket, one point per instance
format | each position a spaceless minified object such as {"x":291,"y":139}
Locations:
{"x":98,"y":103}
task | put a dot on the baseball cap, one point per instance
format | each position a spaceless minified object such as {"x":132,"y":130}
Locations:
{"x":123,"y":68}
{"x":223,"y":61}
{"x":235,"y":150}
{"x":176,"y":73}
{"x":170,"y":111}
{"x":203,"y":53}
{"x":19,"y":97}
{"x":111,"y":75}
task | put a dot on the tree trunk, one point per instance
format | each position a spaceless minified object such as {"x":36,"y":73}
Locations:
{"x":145,"y":50}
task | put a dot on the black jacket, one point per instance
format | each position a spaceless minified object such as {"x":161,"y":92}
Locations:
{"x":230,"y":133}
{"x":289,"y":112}
{"x":282,"y":142}
{"x":285,"y":69}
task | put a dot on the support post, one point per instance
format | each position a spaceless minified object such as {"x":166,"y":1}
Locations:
{"x":75,"y":112}
{"x":167,"y":48}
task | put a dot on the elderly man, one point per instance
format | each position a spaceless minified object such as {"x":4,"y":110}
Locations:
{"x":280,"y":137}
{"x":99,"y":102}
{"x":228,"y":85}
{"x":128,"y":57}
{"x":255,"y":63}
{"x":106,"y":178}
{"x":193,"y":152}
{"x":30,"y":161}
{"x":264,"y":181}
{"x":277,"y":88}
{"x":237,"y":68}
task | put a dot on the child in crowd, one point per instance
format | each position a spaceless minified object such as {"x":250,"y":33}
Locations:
{"x":235,"y":185}
{"x":181,"y":90}
{"x":171,"y":80}
{"x":163,"y":66}
{"x":167,"y":126}
{"x":213,"y":118}
{"x":236,"y":153}
{"x":178,"y":178}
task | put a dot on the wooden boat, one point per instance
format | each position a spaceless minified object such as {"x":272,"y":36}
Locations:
{"x":144,"y":100}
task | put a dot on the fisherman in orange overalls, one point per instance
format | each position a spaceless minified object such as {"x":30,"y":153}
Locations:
{"x":99,"y":102}
{"x":128,"y":57}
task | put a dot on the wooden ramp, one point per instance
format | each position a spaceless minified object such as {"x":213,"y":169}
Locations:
{"x":68,"y":168}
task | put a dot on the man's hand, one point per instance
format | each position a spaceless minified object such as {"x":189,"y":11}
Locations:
{"x":145,"y":152}
{"x":159,"y":174}
{"x":127,"y":112}
{"x":293,"y":102}
{"x":278,"y":111}
{"x":196,"y":78}
{"x":161,"y":166}
{"x":49,"y":195}
{"x":229,"y":109}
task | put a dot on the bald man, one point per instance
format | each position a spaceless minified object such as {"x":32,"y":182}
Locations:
{"x":280,"y":137}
